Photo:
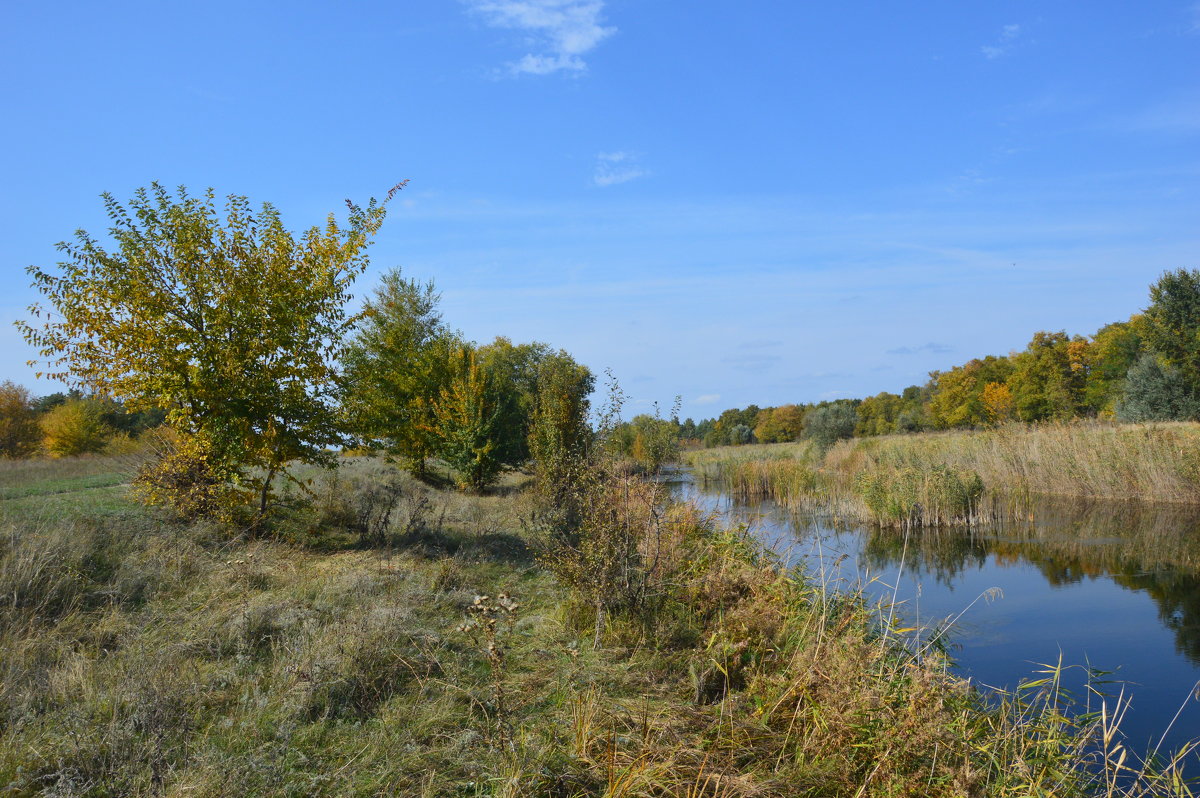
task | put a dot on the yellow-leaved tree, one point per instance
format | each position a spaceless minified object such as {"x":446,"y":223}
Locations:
{"x":218,"y":315}
{"x":75,"y":427}
{"x":19,"y":433}
{"x":998,"y":404}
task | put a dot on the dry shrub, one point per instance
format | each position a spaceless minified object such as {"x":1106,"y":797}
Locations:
{"x":380,"y":506}
{"x":185,"y":476}
{"x":606,"y":560}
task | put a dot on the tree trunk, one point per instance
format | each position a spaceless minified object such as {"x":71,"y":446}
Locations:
{"x":266,"y":492}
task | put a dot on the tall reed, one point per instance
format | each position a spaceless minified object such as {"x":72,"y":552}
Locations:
{"x":1147,"y":462}
{"x":965,"y":477}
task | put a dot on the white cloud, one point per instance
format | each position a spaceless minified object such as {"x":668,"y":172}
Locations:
{"x":707,"y":399}
{"x":1008,"y":35}
{"x":565,"y":30}
{"x":613,"y":168}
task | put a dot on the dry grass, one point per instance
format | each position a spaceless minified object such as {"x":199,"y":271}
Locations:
{"x":965,"y":478}
{"x":1145,"y":462}
{"x":142,"y":657}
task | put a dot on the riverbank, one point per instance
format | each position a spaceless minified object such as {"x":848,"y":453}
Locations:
{"x":451,"y":652}
{"x":955,"y":478}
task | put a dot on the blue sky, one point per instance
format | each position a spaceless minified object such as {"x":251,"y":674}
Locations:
{"x":760,"y":202}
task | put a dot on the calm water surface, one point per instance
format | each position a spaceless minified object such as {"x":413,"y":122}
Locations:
{"x":1113,"y":585}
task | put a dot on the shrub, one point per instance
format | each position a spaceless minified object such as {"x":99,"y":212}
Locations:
{"x":74,"y":428}
{"x":185,"y":477}
{"x":827,"y":425}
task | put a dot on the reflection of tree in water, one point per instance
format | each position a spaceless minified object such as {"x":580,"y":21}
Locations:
{"x":938,"y":553}
{"x":1154,"y":549}
{"x":1178,"y":598}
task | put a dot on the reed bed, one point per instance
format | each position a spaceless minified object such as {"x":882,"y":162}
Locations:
{"x":1144,"y":462}
{"x":903,"y":497}
{"x":965,"y":478}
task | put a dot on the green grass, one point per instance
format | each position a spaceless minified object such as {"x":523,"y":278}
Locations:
{"x":141,"y":656}
{"x":43,"y":477}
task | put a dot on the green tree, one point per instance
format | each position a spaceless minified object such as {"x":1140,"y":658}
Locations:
{"x":395,"y":366}
{"x":733,"y":427}
{"x":779,"y":424}
{"x":1172,"y":324}
{"x":44,"y":404}
{"x":914,"y":408}
{"x":468,"y":418}
{"x":518,"y":368}
{"x":1112,"y":352}
{"x":830,"y":422}
{"x":558,"y":428}
{"x":655,"y":441}
{"x":1049,"y":377}
{"x":19,"y":432}
{"x":1155,"y":392}
{"x":877,"y":414}
{"x":221,"y":317}
{"x":957,"y":395}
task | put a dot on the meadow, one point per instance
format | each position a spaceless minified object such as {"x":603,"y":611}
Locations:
{"x":389,"y":637}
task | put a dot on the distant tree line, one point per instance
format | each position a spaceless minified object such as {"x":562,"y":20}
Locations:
{"x":1144,"y":369}
{"x":66,"y":424}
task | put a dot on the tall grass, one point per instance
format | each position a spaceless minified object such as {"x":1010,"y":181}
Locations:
{"x":814,"y":692}
{"x":1145,"y":462}
{"x":965,"y":478}
{"x":902,"y":496}
{"x":144,"y":657}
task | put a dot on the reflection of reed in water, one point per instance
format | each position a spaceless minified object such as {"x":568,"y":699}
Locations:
{"x":1150,"y":548}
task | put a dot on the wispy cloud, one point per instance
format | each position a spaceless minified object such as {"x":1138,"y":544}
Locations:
{"x":616,"y":167}
{"x":933,"y":348}
{"x":1004,"y":42}
{"x":707,"y":399}
{"x":565,"y":31}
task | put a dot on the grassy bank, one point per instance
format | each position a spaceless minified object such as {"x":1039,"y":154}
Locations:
{"x":440,"y":654}
{"x":966,"y":477}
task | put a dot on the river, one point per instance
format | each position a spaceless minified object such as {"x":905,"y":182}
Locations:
{"x":1113,"y":587}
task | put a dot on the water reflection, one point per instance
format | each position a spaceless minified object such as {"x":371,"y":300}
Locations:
{"x":1110,"y":586}
{"x":1155,"y":550}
